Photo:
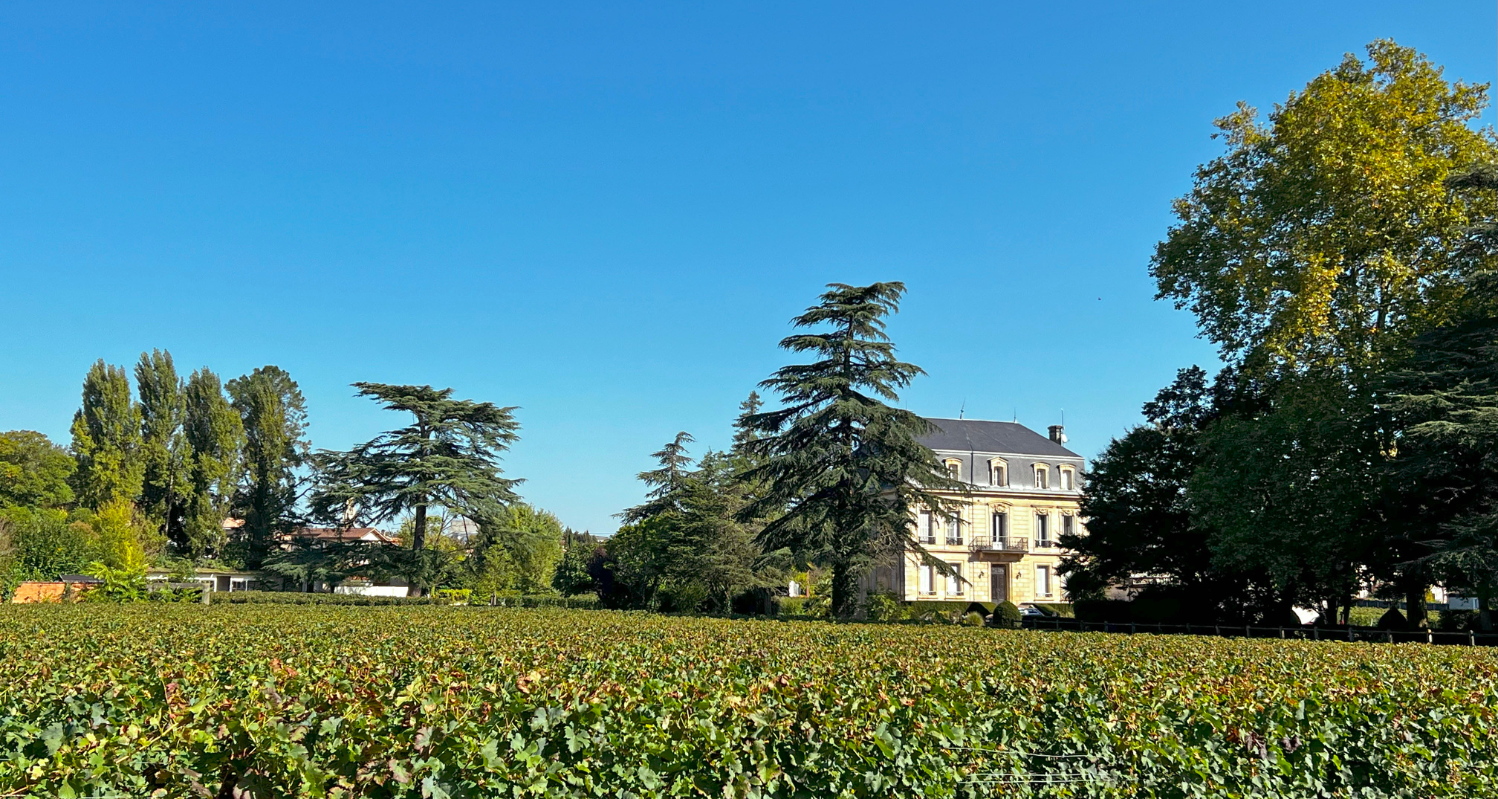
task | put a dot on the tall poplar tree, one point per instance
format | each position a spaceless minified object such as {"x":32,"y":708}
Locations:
{"x":447,"y":459}
{"x":164,"y":450}
{"x":273,"y":415}
{"x":845,"y":465}
{"x":214,"y":435}
{"x":106,"y":439}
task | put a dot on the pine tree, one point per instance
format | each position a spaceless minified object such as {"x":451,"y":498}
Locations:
{"x":845,"y":465}
{"x":214,"y":435}
{"x":448,"y":458}
{"x":274,"y":418}
{"x":106,"y":440}
{"x":164,"y":451}
{"x":744,"y":433}
{"x":666,"y":482}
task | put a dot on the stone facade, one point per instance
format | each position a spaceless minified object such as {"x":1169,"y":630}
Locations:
{"x":1025,"y":490}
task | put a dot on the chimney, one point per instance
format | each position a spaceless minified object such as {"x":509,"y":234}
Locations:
{"x":1058,"y":434}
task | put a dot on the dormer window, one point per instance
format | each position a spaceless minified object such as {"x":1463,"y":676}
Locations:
{"x":998,"y":472}
{"x":1067,"y":481}
{"x":1042,"y":476}
{"x":954,"y":469}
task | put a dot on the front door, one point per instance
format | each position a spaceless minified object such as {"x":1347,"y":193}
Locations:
{"x":998,"y":582}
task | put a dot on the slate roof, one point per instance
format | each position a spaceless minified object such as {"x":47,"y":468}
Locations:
{"x":1008,"y":438}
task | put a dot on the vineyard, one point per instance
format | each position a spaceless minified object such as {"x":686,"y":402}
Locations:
{"x":272,"y":700}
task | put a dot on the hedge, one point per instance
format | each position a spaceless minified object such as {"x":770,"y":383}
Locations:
{"x":273,"y":701}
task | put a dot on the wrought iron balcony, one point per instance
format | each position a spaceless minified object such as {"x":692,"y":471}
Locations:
{"x":1007,"y":544}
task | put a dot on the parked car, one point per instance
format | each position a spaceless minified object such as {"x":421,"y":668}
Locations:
{"x":1028,"y":609}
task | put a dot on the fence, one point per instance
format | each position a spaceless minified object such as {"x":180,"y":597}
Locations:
{"x":1367,"y":634}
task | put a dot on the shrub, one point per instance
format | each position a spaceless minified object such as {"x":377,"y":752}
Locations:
{"x":1392,"y":620}
{"x":817,"y":607}
{"x":931,"y":610}
{"x":973,"y":619}
{"x":119,"y":585}
{"x":1456,"y":621}
{"x":791,"y":606}
{"x":1062,"y":609}
{"x":1007,"y":615}
{"x":885,"y":606}
{"x":454,"y":596}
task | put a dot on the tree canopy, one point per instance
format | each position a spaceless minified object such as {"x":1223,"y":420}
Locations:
{"x":447,"y":458}
{"x":107,"y":439}
{"x":1328,"y":235}
{"x":273,"y":418}
{"x":34,"y":472}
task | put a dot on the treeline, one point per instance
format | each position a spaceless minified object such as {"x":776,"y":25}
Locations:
{"x":1342,"y":256}
{"x":690,"y":547}
{"x":152,"y":475}
{"x":155,"y":470}
{"x":821,"y":489}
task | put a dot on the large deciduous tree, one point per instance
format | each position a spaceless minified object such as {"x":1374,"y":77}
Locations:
{"x":273,"y":416}
{"x":1313,"y":252}
{"x":846,"y":467}
{"x":516,"y":551}
{"x":1139,"y":521}
{"x":34,"y":472}
{"x":447,"y":458}
{"x":107,"y":439}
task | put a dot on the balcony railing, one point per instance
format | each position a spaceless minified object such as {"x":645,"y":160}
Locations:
{"x":1008,"y":544}
{"x":954,"y":541}
{"x":1047,"y":543}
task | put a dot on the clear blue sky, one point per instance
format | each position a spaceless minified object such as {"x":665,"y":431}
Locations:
{"x":606,"y":214}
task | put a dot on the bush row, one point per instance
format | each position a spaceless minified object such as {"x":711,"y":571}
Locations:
{"x":439,"y":598}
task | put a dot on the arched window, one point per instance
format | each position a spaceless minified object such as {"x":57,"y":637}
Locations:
{"x":1068,"y":479}
{"x":954,"y":468}
{"x":1042,"y":476}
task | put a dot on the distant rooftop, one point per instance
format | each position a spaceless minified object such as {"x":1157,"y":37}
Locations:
{"x":984,"y":436}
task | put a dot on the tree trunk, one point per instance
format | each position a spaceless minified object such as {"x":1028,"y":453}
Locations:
{"x":418,"y":543}
{"x":1484,"y":614}
{"x":419,"y":529}
{"x":844,"y":590}
{"x":1414,"y":603}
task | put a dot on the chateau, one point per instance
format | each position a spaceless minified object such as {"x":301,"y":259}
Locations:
{"x":1004,"y":539}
